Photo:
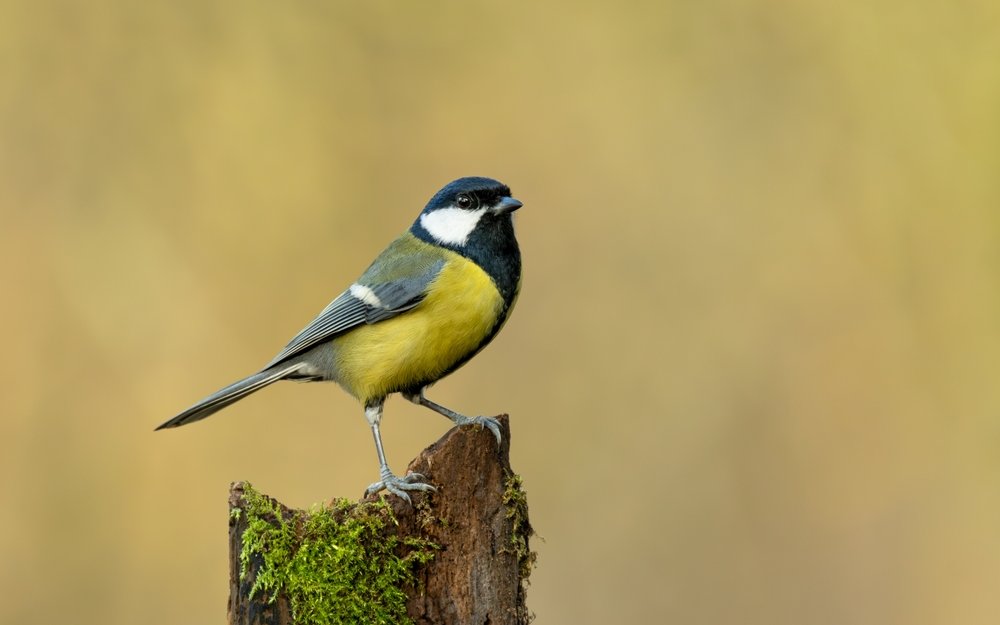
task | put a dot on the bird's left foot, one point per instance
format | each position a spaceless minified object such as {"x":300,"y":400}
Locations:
{"x":490,"y":423}
{"x":399,"y":485}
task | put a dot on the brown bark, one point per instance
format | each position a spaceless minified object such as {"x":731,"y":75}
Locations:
{"x":477,"y":518}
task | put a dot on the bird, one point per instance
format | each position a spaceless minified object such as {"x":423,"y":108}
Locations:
{"x":435,"y":297}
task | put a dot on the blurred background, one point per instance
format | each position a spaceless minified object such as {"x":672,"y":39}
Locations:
{"x":753,"y":370}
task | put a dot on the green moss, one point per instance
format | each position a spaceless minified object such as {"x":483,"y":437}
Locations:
{"x":516,"y":502}
{"x":336,"y":564}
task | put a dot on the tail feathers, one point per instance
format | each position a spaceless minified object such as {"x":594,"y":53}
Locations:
{"x":230,"y":394}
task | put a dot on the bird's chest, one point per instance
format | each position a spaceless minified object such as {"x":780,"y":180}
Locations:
{"x":460,"y":311}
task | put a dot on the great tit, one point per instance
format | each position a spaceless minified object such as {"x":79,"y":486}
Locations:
{"x":427,"y":304}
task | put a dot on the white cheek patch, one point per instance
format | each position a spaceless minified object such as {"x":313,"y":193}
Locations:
{"x":451,"y":225}
{"x":366,"y":295}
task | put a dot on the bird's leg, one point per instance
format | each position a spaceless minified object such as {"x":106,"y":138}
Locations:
{"x":488,"y":422}
{"x":395,"y":485}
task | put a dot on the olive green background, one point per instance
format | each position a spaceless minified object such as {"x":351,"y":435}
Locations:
{"x":753,"y":370}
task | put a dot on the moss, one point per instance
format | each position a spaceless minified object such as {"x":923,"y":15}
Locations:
{"x":516,"y":502}
{"x":335,"y":563}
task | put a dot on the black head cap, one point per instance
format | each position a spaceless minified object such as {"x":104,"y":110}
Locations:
{"x":481,"y":192}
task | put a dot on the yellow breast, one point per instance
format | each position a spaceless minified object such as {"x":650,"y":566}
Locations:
{"x":419,"y":346}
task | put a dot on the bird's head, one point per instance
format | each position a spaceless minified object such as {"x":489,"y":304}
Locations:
{"x":463,"y":207}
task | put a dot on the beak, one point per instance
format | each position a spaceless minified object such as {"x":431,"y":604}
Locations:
{"x":506,"y":205}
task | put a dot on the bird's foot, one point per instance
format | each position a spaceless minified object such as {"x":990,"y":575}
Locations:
{"x":489,"y":423}
{"x":399,"y":485}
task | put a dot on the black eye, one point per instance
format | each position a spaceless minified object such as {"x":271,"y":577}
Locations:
{"x":464,"y":201}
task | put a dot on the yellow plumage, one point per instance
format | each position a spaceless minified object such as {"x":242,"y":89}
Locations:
{"x":418,"y":346}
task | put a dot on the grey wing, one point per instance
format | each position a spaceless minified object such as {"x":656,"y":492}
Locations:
{"x":359,"y":305}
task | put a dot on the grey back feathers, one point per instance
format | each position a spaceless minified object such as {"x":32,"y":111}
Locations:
{"x":360,"y":304}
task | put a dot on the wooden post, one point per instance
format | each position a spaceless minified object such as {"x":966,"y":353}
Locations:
{"x":460,"y":554}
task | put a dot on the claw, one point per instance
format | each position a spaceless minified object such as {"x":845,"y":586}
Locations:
{"x":489,"y":423}
{"x":399,"y":485}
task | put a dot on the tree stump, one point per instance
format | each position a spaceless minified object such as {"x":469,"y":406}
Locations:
{"x":459,"y":555}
